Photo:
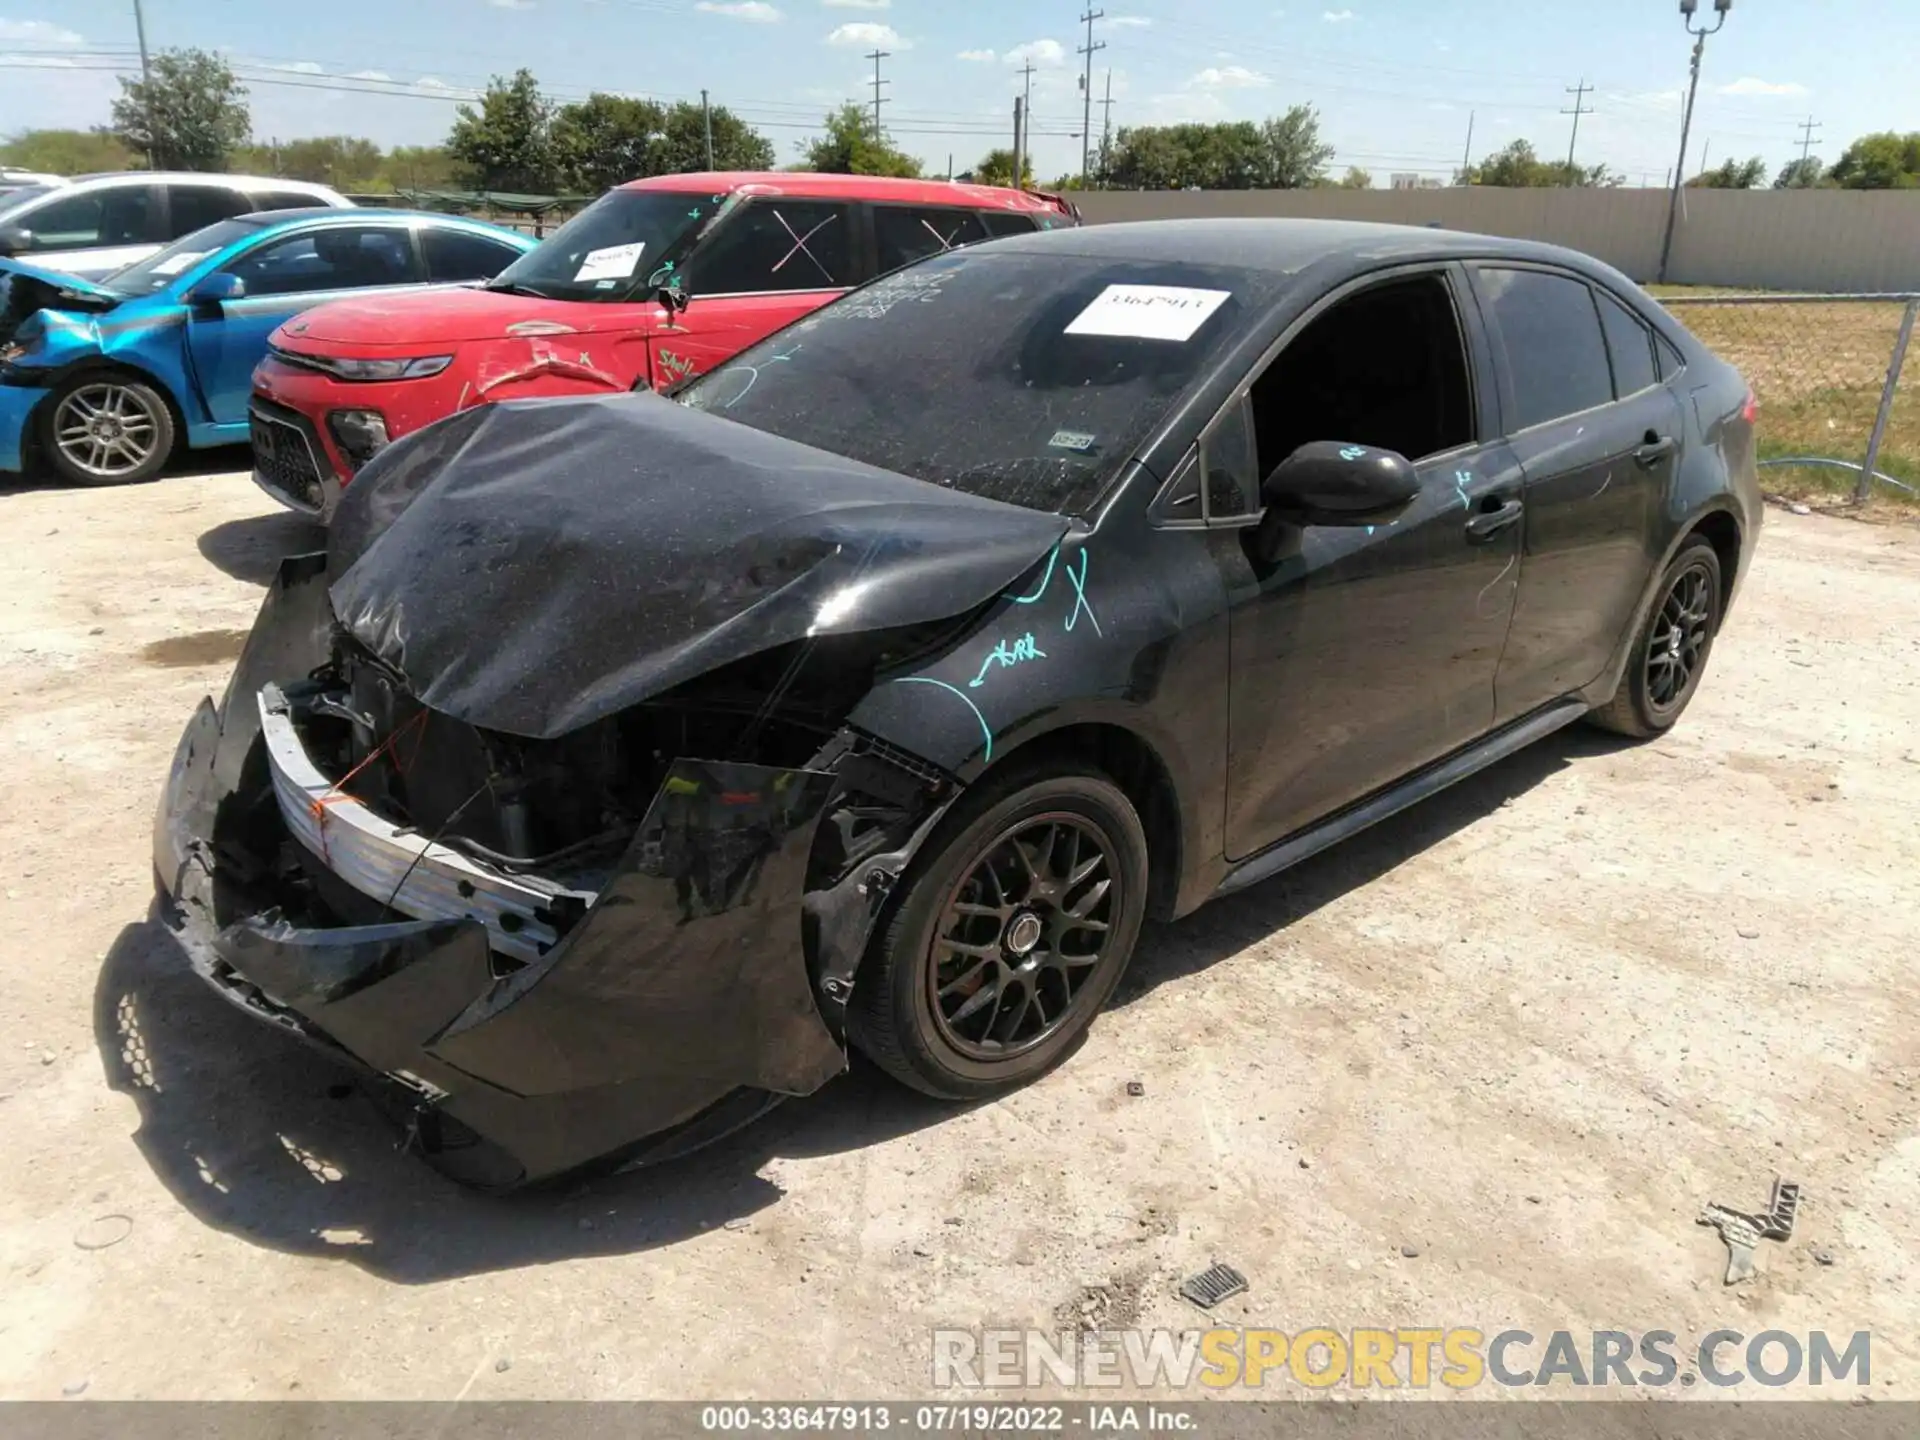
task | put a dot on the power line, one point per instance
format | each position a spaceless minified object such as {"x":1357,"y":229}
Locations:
{"x":1086,"y":87}
{"x":1579,"y":108}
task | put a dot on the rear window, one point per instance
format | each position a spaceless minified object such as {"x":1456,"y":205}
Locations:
{"x":903,"y":234}
{"x":1025,"y":378}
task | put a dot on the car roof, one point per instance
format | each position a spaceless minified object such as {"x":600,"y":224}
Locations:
{"x":205,"y":177}
{"x":849,"y":187}
{"x":368,"y":214}
{"x":1285,"y":246}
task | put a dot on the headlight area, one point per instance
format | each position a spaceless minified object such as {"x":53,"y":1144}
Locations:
{"x":347,"y":367}
{"x":360,"y":434}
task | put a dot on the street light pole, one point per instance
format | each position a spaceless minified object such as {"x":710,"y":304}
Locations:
{"x":1687,"y":9}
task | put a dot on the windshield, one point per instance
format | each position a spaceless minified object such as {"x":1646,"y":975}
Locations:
{"x":165,"y":266}
{"x":607,"y":250}
{"x":1025,"y":377}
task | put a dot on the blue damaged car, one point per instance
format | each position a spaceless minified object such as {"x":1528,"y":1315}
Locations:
{"x":100,"y":382}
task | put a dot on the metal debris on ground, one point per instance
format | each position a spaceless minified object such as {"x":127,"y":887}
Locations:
{"x":1743,"y":1230}
{"x":1136,"y":1089}
{"x":1211,"y":1286}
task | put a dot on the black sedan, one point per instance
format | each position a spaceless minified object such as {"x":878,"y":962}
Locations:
{"x":625,"y":759}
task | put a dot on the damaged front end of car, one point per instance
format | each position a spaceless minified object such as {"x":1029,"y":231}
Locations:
{"x":613,"y":928}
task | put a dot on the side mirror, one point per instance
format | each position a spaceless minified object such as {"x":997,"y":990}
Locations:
{"x":219,"y":286}
{"x":673,"y":298}
{"x":1330,"y":483}
{"x":15,"y":240}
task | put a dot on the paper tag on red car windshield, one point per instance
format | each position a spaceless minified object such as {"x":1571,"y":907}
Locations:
{"x":1148,"y":312}
{"x":616,"y":262}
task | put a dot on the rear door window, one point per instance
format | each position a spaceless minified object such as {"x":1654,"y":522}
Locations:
{"x":1631,"y":345}
{"x":121,"y":215}
{"x":284,"y":200}
{"x":340,"y":257}
{"x":1549,"y":331}
{"x":1007,"y":222}
{"x":903,"y":234}
{"x":776,"y":245}
{"x":194,"y":207}
{"x":458,"y":255}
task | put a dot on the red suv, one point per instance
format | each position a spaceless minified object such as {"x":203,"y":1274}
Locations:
{"x":654,"y":282}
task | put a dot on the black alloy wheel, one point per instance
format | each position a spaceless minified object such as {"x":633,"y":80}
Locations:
{"x":1670,"y":654}
{"x":1009,"y":933}
{"x":1024,"y":930}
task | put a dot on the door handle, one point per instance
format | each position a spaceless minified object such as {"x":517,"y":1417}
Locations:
{"x":1654,"y":450}
{"x":1489,"y":523}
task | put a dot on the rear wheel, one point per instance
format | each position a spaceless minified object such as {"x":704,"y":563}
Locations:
{"x":1671,"y":653}
{"x":1010,"y":936}
{"x":106,"y":430}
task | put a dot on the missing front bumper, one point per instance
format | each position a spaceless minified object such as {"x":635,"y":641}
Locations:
{"x":679,"y":1004}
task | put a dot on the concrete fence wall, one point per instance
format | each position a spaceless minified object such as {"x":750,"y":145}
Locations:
{"x":1814,"y":240}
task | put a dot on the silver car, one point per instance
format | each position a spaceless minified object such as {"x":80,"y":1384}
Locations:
{"x":93,"y":225}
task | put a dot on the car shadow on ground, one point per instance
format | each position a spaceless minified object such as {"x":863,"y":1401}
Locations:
{"x":251,"y":549}
{"x":263,"y":1137}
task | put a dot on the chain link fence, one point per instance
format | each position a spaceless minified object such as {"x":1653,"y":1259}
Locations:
{"x":1826,"y":369}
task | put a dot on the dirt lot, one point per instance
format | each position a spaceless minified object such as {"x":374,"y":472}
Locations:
{"x":1523,"y":1033}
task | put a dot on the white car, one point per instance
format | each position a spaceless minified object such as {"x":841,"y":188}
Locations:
{"x":93,"y":225}
{"x":12,"y":180}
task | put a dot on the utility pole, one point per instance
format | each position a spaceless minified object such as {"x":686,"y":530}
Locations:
{"x":1579,"y":108}
{"x":1106,"y":129}
{"x":1019,"y":140}
{"x":706,"y":118}
{"x":1023,"y":122}
{"x":877,"y":56}
{"x":1687,"y":9}
{"x":146,"y":72}
{"x":1086,"y":89}
{"x":1807,"y":127}
{"x":1466,"y":160}
{"x":1706,"y":149}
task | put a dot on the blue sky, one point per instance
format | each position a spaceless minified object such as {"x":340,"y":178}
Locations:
{"x":1395,"y":81}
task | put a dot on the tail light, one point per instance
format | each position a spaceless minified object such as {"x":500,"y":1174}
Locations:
{"x":1750,"y":411}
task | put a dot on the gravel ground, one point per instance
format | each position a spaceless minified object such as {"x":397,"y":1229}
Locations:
{"x":1481,"y":1066}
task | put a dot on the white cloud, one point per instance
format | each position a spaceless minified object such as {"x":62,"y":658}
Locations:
{"x":1228,"y":77}
{"x":432,"y":82}
{"x":511,"y":4}
{"x":38,"y":32}
{"x":1337,"y":17}
{"x":299,"y":67}
{"x":1748,"y":85}
{"x":756,"y":11}
{"x":986,"y":55}
{"x":1132,"y":22}
{"x":865,"y":32}
{"x":856,"y":4}
{"x":1043,"y":53}
{"x":369,"y":75}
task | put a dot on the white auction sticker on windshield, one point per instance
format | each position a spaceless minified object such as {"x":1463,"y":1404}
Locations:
{"x":174,"y":264}
{"x":1148,"y":312}
{"x":615,"y":262}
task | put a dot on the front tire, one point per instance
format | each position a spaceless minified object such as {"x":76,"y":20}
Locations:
{"x":106,"y":430}
{"x":1011,"y":932}
{"x":1670,"y":654}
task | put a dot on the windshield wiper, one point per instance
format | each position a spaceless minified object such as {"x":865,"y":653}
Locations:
{"x":515,"y":287}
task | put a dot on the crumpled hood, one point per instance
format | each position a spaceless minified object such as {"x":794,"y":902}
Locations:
{"x":534,"y":566}
{"x":26,"y":290}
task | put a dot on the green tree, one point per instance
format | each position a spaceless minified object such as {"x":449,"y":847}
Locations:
{"x":1356,"y":179}
{"x":849,"y":147}
{"x":996,"y":168}
{"x":683,"y":142}
{"x":1800,"y":175}
{"x":1294,"y":154}
{"x":1733,"y":175}
{"x":1518,"y":167}
{"x":416,"y":167}
{"x":190,"y":115}
{"x":507,"y":144}
{"x":605,"y":140}
{"x":345,"y":162}
{"x":1884,"y":161}
{"x":68,"y":152}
